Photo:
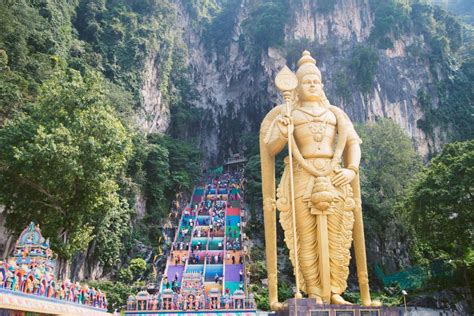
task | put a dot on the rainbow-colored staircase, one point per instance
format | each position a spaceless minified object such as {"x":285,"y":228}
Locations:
{"x":206,"y":266}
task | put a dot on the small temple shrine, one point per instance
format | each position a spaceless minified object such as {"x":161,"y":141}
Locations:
{"x":32,"y":249}
{"x":29,"y":282}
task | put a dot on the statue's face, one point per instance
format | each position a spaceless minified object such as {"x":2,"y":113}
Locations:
{"x":310,"y":88}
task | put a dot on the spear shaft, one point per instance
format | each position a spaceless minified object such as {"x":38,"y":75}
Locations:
{"x":287,"y":96}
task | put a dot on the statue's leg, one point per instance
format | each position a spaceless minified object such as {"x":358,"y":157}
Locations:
{"x":307,"y":244}
{"x":340,"y":225}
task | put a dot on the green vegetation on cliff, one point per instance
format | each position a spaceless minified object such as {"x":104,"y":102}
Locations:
{"x":118,"y":35}
{"x":446,"y":44}
{"x":439,"y":206}
{"x":266,"y":22}
{"x":70,"y":77}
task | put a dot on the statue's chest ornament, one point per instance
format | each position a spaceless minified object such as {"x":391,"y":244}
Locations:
{"x":318,"y":130}
{"x":317,"y":125}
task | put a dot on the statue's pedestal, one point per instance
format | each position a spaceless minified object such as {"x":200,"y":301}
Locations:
{"x":308,"y":307}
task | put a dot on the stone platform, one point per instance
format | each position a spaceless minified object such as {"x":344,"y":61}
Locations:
{"x":308,"y":307}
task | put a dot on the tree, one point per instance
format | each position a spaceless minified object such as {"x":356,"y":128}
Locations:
{"x":137,"y":266}
{"x":60,"y":166}
{"x":157,"y":179}
{"x":117,"y":292}
{"x":440,"y":205}
{"x":266,"y":23}
{"x":388,"y":163}
{"x":170,"y":167}
{"x":363,"y":65}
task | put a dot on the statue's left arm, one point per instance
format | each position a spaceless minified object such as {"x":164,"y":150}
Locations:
{"x":352,"y":155}
{"x":352,"y":152}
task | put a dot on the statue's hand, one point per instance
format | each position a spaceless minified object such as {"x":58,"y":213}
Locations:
{"x":285,"y":125}
{"x":343,"y":177}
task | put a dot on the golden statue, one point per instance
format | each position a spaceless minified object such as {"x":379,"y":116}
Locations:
{"x":315,"y":191}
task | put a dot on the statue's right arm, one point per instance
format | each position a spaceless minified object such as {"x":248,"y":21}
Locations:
{"x":275,"y":139}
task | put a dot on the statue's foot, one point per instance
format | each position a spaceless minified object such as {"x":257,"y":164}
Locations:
{"x":277,"y":306}
{"x":376,"y":303}
{"x":372,"y":303}
{"x":337,"y":299}
{"x":318,"y":298}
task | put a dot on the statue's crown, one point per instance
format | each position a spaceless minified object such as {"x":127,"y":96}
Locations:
{"x":306,"y":58}
{"x":307,"y":65}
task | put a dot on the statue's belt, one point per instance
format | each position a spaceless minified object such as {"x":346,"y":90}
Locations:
{"x":320,"y":164}
{"x":307,"y":186}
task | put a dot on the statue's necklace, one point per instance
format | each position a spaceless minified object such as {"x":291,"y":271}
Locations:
{"x":313,"y":112}
{"x":318,"y":130}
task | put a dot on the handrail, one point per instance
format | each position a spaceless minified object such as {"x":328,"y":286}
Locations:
{"x":165,"y":273}
{"x":224,"y":247}
{"x":173,"y":245}
{"x":193,"y":228}
{"x":244,"y":263}
{"x":205,"y":256}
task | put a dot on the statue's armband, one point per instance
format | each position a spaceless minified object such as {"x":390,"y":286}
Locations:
{"x":269,"y":205}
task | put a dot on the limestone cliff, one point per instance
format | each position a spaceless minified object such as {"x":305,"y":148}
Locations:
{"x":153,"y":115}
{"x":235,"y":80}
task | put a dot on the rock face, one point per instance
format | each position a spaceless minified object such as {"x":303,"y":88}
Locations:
{"x":153,"y":115}
{"x":224,"y":82}
{"x":236,"y":86}
{"x":349,"y":20}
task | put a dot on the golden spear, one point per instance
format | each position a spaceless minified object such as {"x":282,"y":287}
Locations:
{"x":286,"y":82}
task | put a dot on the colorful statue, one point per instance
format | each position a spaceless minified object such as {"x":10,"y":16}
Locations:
{"x":61,"y":292}
{"x":32,"y":250}
{"x":37,"y":284}
{"x":29,"y":283}
{"x":105,"y":303}
{"x":319,"y":193}
{"x":25,"y":252}
{"x":16,"y":283}
{"x":43,"y":286}
{"x":51,"y":289}
{"x":77,"y":292}
{"x":10,"y":274}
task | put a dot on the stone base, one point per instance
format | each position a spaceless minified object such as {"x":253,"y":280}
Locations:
{"x":308,"y":307}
